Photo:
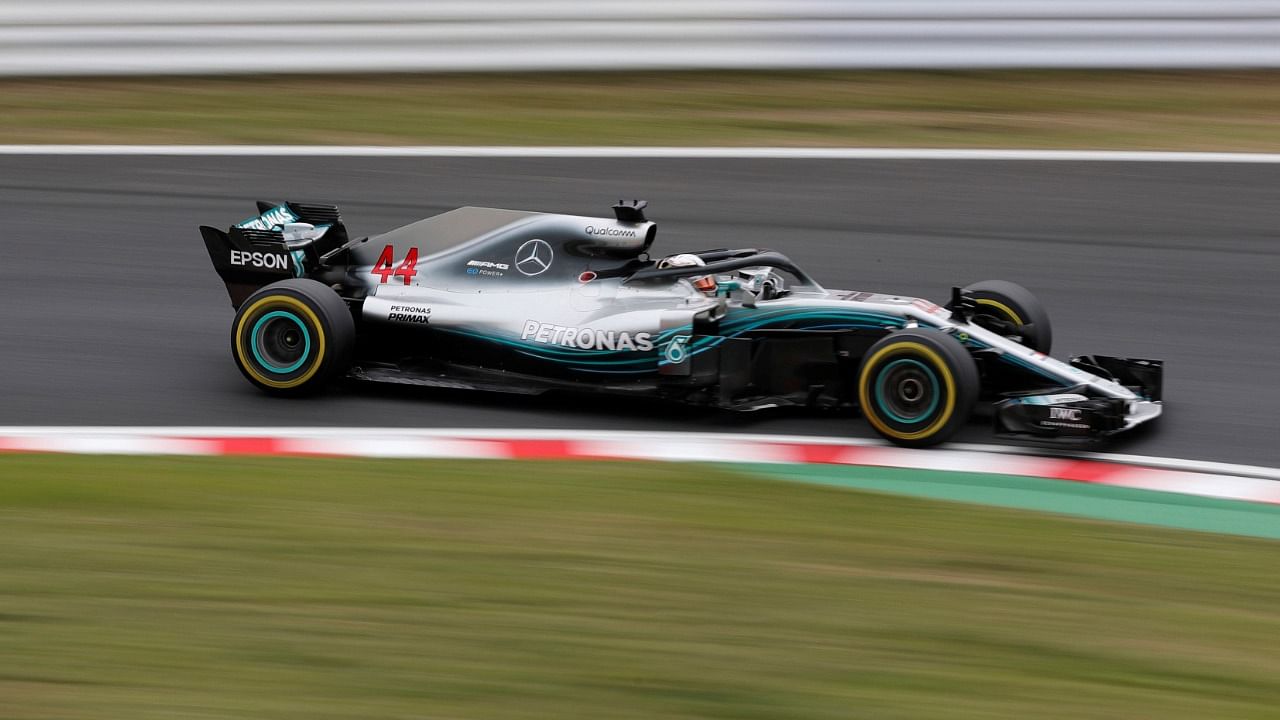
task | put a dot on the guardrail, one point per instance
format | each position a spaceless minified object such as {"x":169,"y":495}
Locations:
{"x":111,"y":37}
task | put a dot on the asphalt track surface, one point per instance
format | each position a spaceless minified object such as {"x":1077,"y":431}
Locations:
{"x":113,"y":315}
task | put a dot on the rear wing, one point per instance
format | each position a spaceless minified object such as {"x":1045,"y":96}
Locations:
{"x":282,"y":241}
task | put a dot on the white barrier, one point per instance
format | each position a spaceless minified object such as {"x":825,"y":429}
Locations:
{"x":111,"y":37}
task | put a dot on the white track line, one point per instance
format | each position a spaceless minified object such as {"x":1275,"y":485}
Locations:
{"x":744,"y":153}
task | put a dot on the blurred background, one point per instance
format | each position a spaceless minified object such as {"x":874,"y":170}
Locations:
{"x":280,"y":588}
{"x":1004,"y":73}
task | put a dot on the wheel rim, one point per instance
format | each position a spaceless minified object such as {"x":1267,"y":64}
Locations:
{"x":907,"y":391}
{"x":281,"y":342}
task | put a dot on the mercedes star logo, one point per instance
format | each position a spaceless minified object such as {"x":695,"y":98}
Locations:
{"x":534,"y":257}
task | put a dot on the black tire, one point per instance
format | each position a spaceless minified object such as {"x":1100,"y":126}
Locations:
{"x":917,"y":387}
{"x":1013,"y":303}
{"x":292,"y":337}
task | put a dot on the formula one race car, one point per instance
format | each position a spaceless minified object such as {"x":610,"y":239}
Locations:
{"x":527,"y":302}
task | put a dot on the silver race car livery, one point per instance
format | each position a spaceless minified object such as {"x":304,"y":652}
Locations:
{"x":526,"y":302}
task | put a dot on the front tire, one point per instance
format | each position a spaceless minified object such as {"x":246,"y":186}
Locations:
{"x":917,"y":387}
{"x":1012,"y":303}
{"x":292,"y":337}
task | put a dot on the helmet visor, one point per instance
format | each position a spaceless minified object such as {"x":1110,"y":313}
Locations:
{"x":705,"y":283}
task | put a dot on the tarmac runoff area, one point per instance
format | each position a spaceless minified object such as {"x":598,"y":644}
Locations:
{"x":1206,"y":497}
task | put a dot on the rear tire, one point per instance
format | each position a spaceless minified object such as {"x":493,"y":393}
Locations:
{"x":917,"y":387}
{"x":293,"y":337}
{"x":1013,"y":303}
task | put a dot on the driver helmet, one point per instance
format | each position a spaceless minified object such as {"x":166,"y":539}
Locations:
{"x":704,"y":283}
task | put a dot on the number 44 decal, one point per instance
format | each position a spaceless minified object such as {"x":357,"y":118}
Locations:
{"x":406,"y":269}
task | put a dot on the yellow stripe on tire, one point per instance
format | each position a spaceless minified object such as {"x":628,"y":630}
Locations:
{"x":939,"y":364}
{"x":1008,"y":311}
{"x":295,"y":304}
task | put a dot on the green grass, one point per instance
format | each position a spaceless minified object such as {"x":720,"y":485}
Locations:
{"x":200,"y":588}
{"x":1038,"y":109}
